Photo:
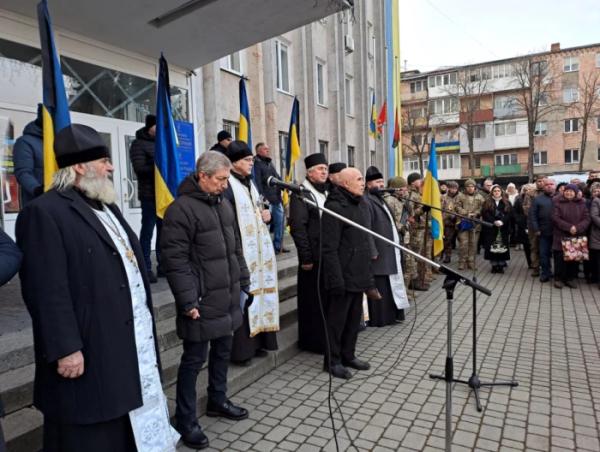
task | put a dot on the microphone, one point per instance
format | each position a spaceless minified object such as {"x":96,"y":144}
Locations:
{"x":274,"y":182}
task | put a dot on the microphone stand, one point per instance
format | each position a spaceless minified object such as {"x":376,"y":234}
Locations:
{"x":474,"y":382}
{"x":452,"y":278}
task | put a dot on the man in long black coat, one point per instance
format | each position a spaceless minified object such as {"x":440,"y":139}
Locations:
{"x":306,"y":232}
{"x":347,"y":273}
{"x":384,"y":311}
{"x":76,"y":288}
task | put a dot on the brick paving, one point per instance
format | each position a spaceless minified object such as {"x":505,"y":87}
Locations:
{"x":545,"y":338}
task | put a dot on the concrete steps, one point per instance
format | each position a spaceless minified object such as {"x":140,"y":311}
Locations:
{"x":22,"y":423}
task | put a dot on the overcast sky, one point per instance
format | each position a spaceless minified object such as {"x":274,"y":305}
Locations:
{"x":435,"y":33}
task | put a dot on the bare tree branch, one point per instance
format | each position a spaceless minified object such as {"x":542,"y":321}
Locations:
{"x":587,"y":106}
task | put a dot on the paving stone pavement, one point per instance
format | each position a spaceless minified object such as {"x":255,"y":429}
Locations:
{"x":545,"y":338}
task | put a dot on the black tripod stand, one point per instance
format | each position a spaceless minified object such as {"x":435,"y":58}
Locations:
{"x":474,"y":382}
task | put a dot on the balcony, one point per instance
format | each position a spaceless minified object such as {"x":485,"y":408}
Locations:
{"x":501,"y":170}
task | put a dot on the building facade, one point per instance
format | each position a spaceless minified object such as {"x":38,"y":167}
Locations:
{"x":329,"y":54}
{"x":506,"y":119}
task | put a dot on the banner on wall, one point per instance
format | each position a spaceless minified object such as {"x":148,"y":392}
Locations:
{"x":186,"y":148}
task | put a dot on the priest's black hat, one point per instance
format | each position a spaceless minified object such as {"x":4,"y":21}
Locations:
{"x":373,"y":174}
{"x":337,"y":167}
{"x":77,"y":143}
{"x":238,"y":150}
{"x":314,"y":160}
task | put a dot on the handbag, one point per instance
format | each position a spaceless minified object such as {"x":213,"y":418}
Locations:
{"x":575,"y":249}
{"x":498,"y":247}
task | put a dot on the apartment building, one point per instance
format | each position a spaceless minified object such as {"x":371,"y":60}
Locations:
{"x":507,"y":119}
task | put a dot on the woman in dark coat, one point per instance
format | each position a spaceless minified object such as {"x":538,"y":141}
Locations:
{"x":497,"y":210}
{"x":594,"y":241}
{"x":571,"y":218}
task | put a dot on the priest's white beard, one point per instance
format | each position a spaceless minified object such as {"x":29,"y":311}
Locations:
{"x":97,"y":187}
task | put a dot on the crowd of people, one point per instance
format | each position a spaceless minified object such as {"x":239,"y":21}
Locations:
{"x":86,"y":277}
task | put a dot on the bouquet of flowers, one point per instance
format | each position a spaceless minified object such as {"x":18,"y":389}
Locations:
{"x":575,"y":249}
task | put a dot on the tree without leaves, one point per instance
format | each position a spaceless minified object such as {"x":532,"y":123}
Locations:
{"x":534,"y":84}
{"x":415,"y":125}
{"x":587,"y":107}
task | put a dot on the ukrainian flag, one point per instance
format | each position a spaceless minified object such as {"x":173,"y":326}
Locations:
{"x":432,"y":197}
{"x":55,"y":108}
{"x":245,"y":133}
{"x":293,"y":145}
{"x":167,"y":173}
{"x":373,"y":121}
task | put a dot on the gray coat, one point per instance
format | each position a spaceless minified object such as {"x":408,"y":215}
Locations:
{"x":595,"y":229}
{"x":385,"y":264}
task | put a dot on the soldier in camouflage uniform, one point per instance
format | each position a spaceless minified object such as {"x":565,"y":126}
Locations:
{"x":448,"y":201}
{"x":401,"y":211}
{"x":534,"y":240}
{"x":420,"y":272}
{"x":468,"y":203}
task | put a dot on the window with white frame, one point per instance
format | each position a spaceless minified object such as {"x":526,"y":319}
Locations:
{"x":448,"y":161}
{"x":417,"y":112}
{"x":444,"y":106}
{"x":371,"y":38}
{"x":571,"y":156}
{"x":232,"y":127}
{"x":417,"y":86}
{"x":502,"y":70}
{"x":442,"y":80}
{"x":324,"y":148}
{"x":479,"y":131}
{"x":571,"y":64}
{"x":571,"y":125}
{"x":540,"y":158}
{"x":351,"y":156}
{"x":283,"y":142}
{"x":349,"y":84}
{"x":283,"y":66}
{"x":505,"y":159}
{"x":505,"y":128}
{"x":543,"y":99}
{"x":505,"y":103}
{"x":477,"y":162}
{"x":232,"y":62}
{"x":373,"y":158}
{"x":321,"y":84}
{"x":541,"y":129}
{"x":570,"y":95}
{"x":411,"y":164}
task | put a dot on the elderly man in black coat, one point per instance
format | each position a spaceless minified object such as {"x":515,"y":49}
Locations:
{"x":347,"y":273}
{"x":85,"y":285}
{"x":384,"y":311}
{"x":203,"y":260}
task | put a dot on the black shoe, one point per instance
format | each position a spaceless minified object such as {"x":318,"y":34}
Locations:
{"x":447,"y":260}
{"x":494,"y":269}
{"x":194,"y":438}
{"x":244,"y":363}
{"x":357,"y":364}
{"x":544,"y":279}
{"x":260,"y":353}
{"x":571,"y":283}
{"x":160,"y":273}
{"x":339,"y":371}
{"x":152,"y":277}
{"x":499,"y":269}
{"x":362,"y":326}
{"x":226,"y":409}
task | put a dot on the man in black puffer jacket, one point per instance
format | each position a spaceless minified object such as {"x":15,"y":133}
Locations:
{"x":347,"y":257}
{"x":142,"y":160}
{"x":202,"y":258}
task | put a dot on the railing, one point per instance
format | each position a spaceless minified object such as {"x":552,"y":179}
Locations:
{"x":500,"y":170}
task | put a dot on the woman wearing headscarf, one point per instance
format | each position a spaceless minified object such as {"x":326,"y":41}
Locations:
{"x":496,"y":210}
{"x":571,"y":218}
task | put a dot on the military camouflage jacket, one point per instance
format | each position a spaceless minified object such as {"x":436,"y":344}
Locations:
{"x":449,"y":203}
{"x":469,"y":205}
{"x":400,"y":211}
{"x":417,"y":209}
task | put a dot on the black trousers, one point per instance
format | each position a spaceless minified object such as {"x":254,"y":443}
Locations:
{"x":114,"y":436}
{"x":194,"y":356}
{"x":564,"y":271}
{"x":343,"y":319}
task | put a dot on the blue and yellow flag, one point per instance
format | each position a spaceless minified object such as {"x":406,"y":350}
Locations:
{"x":167,"y":173}
{"x":373,"y":121}
{"x":293,"y":150}
{"x":245,"y":133}
{"x":55,"y":108}
{"x":433,"y":198}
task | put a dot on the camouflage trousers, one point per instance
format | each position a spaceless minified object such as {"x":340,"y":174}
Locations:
{"x":467,"y":248}
{"x":414,"y":268}
{"x":534,"y":246}
{"x":449,"y":236}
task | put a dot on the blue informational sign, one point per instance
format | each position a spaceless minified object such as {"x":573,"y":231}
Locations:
{"x":186,"y":149}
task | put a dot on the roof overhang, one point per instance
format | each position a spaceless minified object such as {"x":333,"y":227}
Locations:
{"x":191,"y":33}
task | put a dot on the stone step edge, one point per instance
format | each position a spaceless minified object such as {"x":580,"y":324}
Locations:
{"x":23,"y":428}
